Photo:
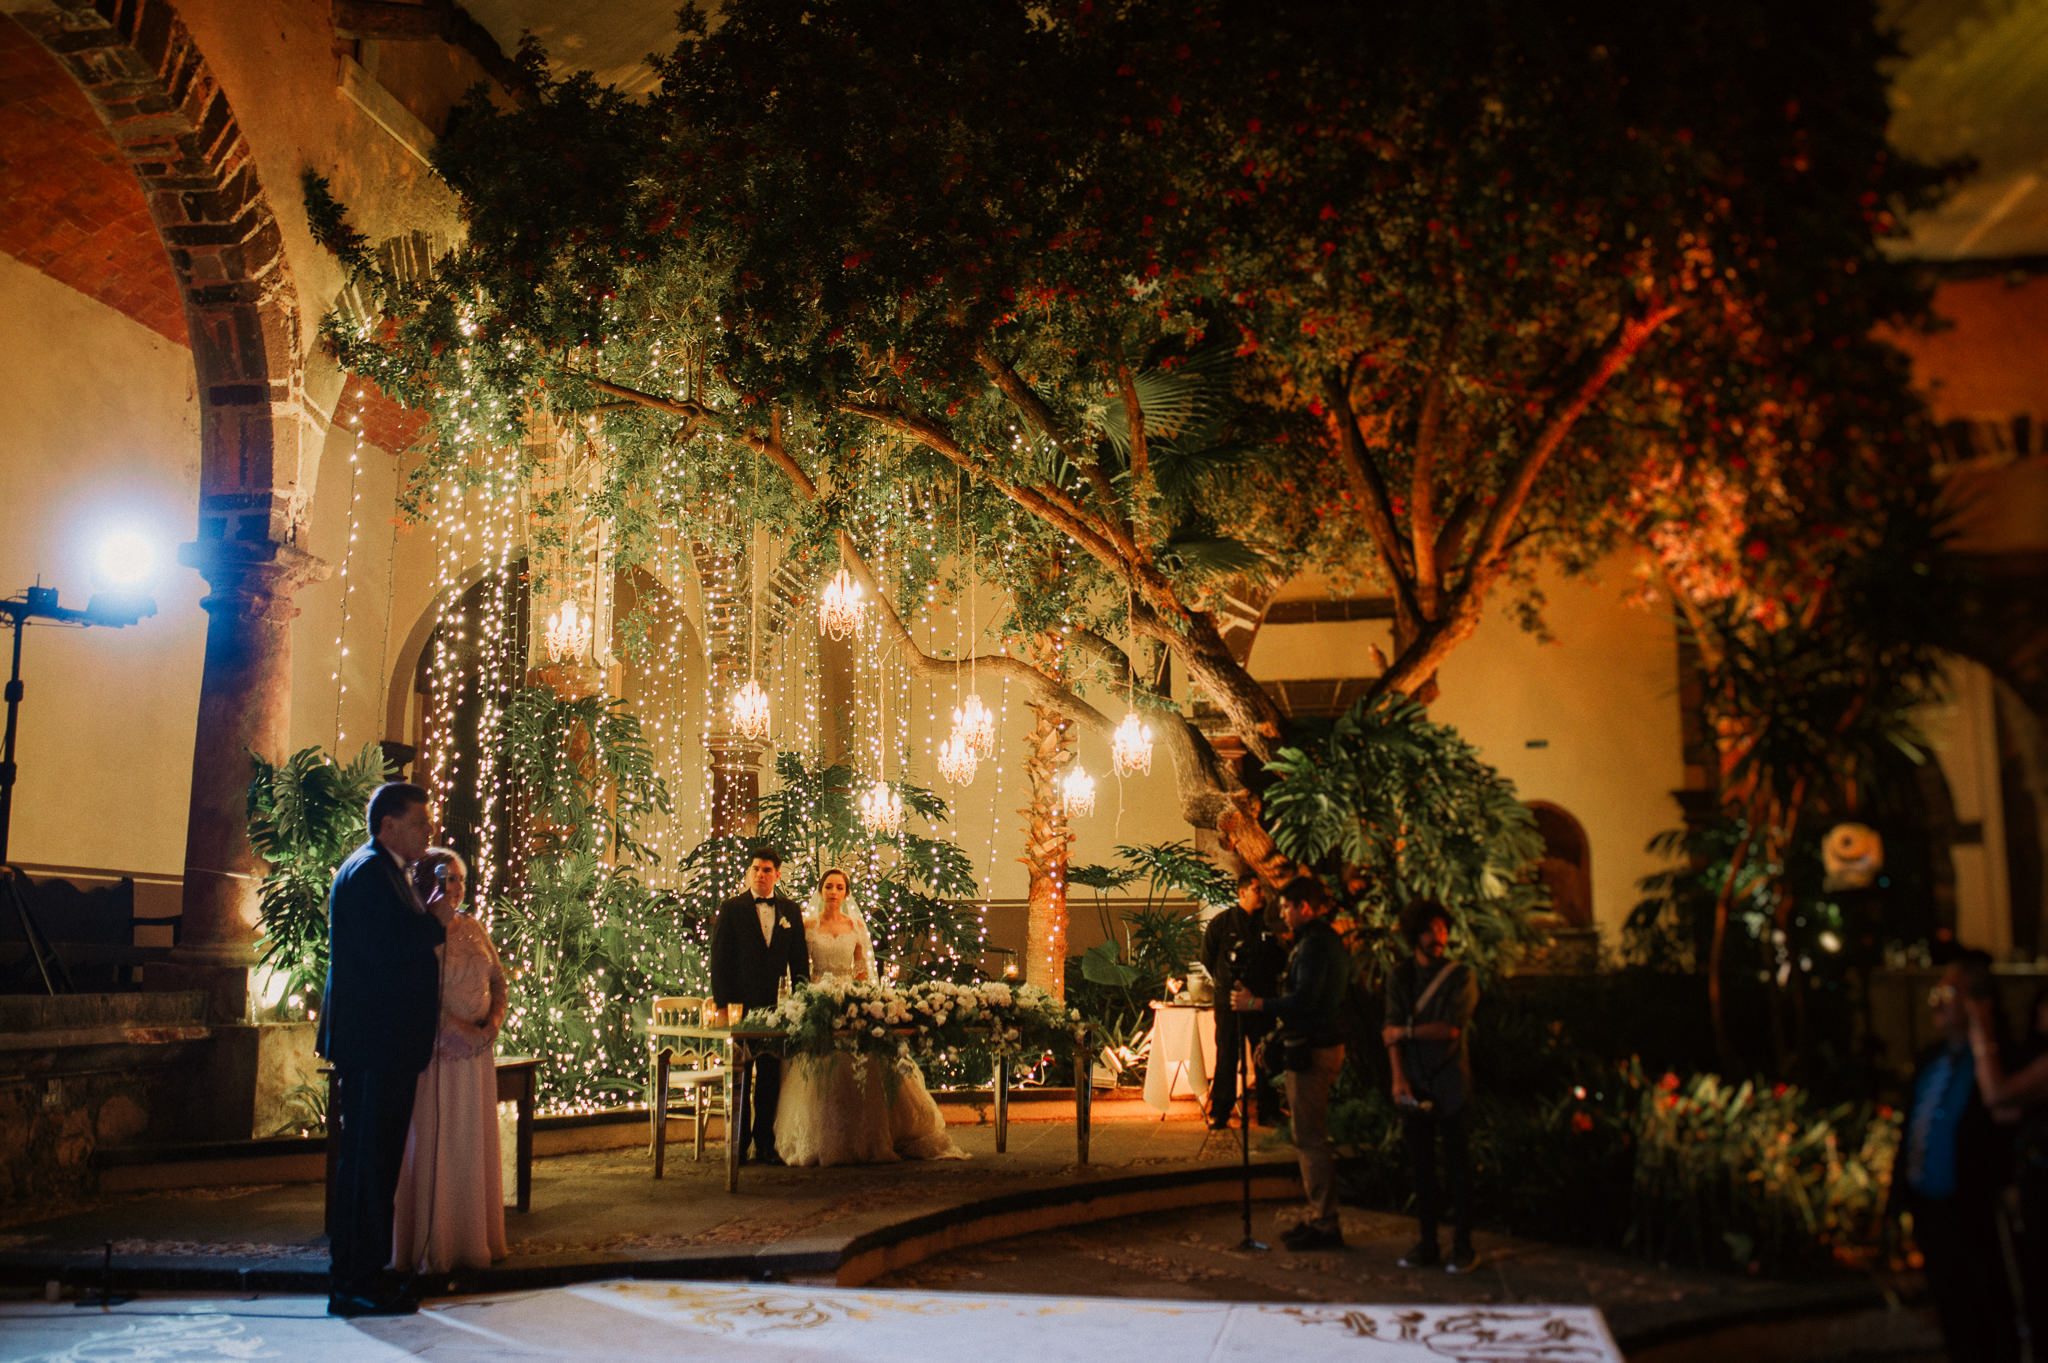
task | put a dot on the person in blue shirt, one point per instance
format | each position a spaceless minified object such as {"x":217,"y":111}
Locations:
{"x":1953,"y":1157}
{"x":1312,"y":1043}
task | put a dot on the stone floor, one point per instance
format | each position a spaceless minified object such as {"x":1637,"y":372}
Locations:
{"x":600,"y":1216}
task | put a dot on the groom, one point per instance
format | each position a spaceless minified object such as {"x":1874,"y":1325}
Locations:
{"x":757,"y":938}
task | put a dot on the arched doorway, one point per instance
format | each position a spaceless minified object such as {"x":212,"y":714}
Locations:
{"x":1567,"y":865}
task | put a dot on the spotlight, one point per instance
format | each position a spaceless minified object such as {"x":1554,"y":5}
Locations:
{"x":127,"y":560}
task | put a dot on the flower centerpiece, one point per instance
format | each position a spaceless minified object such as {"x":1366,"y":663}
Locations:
{"x":874,"y":1018}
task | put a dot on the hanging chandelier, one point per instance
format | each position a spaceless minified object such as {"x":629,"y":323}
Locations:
{"x":957,"y":760}
{"x":881,"y":810}
{"x":568,"y":632}
{"x":840,"y":607}
{"x":1130,"y":747}
{"x":975,"y":725}
{"x":1077,"y":793}
{"x":750,"y":712}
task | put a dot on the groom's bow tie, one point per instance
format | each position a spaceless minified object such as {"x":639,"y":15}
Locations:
{"x":764,"y":903}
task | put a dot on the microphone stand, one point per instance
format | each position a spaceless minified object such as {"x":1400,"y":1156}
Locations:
{"x":1245,"y":1079}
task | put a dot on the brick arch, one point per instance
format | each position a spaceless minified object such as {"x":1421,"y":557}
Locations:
{"x":140,"y":71}
{"x":75,"y":210}
{"x":169,"y":117}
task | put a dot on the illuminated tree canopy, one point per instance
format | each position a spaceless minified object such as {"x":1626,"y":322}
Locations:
{"x":1182,"y":298}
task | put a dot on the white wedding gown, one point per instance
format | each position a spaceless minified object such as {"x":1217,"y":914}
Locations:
{"x":855,"y":1109}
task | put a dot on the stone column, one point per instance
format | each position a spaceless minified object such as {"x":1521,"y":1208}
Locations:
{"x":244,"y":706}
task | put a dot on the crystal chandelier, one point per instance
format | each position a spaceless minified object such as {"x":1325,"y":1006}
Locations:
{"x":1077,"y":793}
{"x":750,"y":712}
{"x":1130,"y":748}
{"x":840,"y":607}
{"x":957,"y":759}
{"x":975,"y":725}
{"x":568,"y":632}
{"x":881,"y":809}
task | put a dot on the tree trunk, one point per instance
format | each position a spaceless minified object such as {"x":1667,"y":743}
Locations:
{"x":1047,"y":836}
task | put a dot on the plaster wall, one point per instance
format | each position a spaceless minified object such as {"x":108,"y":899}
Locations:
{"x":101,"y":426}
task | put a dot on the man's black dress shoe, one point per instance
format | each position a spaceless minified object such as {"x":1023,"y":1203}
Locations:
{"x":768,"y":1157}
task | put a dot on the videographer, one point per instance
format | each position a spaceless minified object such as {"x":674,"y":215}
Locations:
{"x":1237,"y":947}
{"x":1312,"y":1043}
{"x":1429,"y":1006}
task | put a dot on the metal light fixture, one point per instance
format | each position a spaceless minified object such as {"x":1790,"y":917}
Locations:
{"x":568,"y":632}
{"x":975,"y":724}
{"x":881,"y":810}
{"x":750,"y":712}
{"x":1130,"y":748}
{"x":1077,"y":793}
{"x":957,"y":760}
{"x":840,"y":606}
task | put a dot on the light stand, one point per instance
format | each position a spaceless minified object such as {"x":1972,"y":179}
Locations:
{"x":40,"y":603}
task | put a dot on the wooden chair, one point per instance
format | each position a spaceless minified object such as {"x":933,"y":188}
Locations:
{"x":688,"y":1076}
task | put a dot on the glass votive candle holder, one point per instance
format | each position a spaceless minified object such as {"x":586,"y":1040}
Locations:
{"x":733,"y":1013}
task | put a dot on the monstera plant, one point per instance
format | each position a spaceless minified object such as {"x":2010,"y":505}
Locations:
{"x":305,"y":817}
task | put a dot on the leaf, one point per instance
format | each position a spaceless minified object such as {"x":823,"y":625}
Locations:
{"x":1099,"y":965}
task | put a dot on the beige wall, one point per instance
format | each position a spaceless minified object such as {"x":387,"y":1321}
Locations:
{"x":100,"y":424}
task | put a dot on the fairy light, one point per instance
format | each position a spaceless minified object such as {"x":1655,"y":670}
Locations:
{"x":348,"y":557}
{"x":750,"y":713}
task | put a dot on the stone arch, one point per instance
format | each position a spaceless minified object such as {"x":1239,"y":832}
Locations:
{"x":1567,"y":865}
{"x":145,"y":77}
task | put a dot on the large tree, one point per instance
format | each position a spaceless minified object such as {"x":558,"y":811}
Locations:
{"x":1183,"y":296}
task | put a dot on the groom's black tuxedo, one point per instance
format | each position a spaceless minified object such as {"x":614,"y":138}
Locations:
{"x":748,"y":968}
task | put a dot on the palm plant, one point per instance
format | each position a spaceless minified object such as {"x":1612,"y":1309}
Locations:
{"x":305,"y":817}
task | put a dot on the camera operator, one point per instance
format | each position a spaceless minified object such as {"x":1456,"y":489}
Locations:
{"x":1312,"y":1041}
{"x":1238,"y":947}
{"x":1429,"y":1006}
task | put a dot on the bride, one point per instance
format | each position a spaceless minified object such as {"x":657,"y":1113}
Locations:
{"x":853,"y":1109}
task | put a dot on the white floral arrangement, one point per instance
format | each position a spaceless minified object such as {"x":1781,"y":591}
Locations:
{"x":872,"y":1017}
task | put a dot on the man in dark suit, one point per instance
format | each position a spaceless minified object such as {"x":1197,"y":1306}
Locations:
{"x":1238,"y":947}
{"x":377,"y":1029}
{"x":757,"y":938}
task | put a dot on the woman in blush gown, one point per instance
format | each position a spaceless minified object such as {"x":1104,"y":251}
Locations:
{"x":451,"y":1197}
{"x":853,"y":1109}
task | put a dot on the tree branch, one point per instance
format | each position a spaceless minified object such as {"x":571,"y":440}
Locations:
{"x":1422,"y":496}
{"x":1371,"y":493}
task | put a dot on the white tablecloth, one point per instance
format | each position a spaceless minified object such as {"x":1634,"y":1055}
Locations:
{"x":1183,"y":1054}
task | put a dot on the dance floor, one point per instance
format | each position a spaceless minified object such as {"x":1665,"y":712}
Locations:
{"x":621,"y":1321}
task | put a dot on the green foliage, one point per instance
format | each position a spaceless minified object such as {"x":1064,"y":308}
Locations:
{"x":1156,"y":940}
{"x":1385,"y":788}
{"x":1480,"y":276}
{"x":582,"y":770}
{"x":305,"y":817}
{"x":585,"y":947}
